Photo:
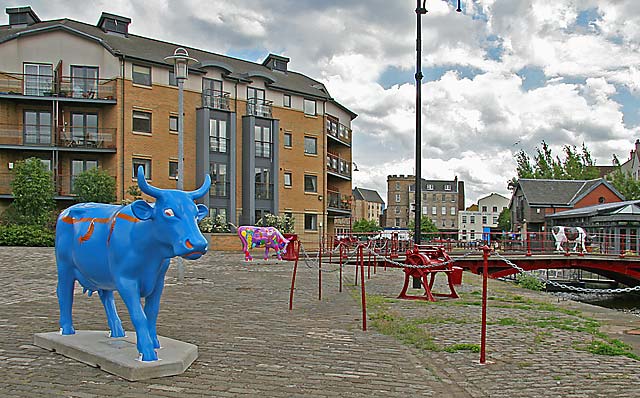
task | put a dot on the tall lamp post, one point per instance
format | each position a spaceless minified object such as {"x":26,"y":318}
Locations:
{"x":420,"y":11}
{"x":181,"y":61}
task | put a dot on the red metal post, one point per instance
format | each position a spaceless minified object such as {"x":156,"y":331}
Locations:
{"x":320,"y":273}
{"x":483,"y":333}
{"x":293,"y":277}
{"x":369,"y":264}
{"x":362,"y":291}
{"x":340,"y":267}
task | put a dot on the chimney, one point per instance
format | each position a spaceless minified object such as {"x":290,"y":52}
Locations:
{"x":112,"y":23}
{"x":460,"y":195}
{"x":21,"y":16}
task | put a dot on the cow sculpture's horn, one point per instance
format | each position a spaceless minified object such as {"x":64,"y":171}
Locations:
{"x":200,"y":192}
{"x":144,"y":185}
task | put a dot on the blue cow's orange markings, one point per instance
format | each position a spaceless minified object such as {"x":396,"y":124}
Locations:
{"x":92,"y":221}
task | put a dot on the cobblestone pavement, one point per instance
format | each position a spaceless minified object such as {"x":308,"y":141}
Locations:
{"x":251,"y":345}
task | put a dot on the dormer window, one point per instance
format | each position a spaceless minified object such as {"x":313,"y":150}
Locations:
{"x":21,"y":16}
{"x":112,"y":23}
{"x":429,"y":187}
{"x":447,"y":187}
{"x":276,"y":62}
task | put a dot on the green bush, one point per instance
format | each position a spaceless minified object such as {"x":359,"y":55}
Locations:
{"x":33,"y":193}
{"x":530,"y":282}
{"x":216,"y":225}
{"x":95,"y":185}
{"x":284,"y":224}
{"x":25,"y":235}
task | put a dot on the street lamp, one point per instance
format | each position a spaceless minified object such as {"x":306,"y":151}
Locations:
{"x":420,"y":11}
{"x":181,"y":61}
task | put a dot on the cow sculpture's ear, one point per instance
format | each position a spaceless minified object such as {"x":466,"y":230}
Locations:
{"x":141,"y":209}
{"x":202,"y":212}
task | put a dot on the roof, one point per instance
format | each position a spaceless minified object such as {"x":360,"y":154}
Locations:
{"x":630,"y":206}
{"x":154,"y":51}
{"x":540,"y":192}
{"x":368,"y":195}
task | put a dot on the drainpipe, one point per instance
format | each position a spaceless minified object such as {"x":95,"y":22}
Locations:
{"x":122,"y":130}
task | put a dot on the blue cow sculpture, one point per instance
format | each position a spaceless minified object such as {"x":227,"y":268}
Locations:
{"x":127,"y":248}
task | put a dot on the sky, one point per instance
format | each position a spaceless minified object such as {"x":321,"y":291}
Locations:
{"x":500,"y":77}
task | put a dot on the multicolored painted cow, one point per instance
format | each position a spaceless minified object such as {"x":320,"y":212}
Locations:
{"x":128,"y":248}
{"x":267,"y":237}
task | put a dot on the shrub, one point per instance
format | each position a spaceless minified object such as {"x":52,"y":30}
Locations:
{"x":530,"y":282}
{"x":25,"y":235}
{"x":95,"y":185}
{"x":33,"y":193}
{"x":284,"y":224}
{"x":216,"y":225}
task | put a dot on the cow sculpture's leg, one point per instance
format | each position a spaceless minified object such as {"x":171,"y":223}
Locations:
{"x":113,"y":320}
{"x":130,"y":292}
{"x":266,"y":252}
{"x":66,"y":282}
{"x":152,"y":305}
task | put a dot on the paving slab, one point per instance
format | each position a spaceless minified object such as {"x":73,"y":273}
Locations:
{"x":119,"y":356}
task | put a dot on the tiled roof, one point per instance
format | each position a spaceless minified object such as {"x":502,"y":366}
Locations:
{"x":367,"y":195}
{"x":154,"y":51}
{"x":558,"y":192}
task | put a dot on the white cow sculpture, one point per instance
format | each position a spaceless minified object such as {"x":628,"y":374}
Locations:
{"x":569,"y":234}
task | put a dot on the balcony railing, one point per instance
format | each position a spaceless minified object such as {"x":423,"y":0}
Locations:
{"x":338,"y":201}
{"x":264,"y":191}
{"x":64,"y":87}
{"x":216,"y":99}
{"x":42,"y":135}
{"x":86,"y":137}
{"x":339,"y":166}
{"x":339,"y":131}
{"x":259,"y":107}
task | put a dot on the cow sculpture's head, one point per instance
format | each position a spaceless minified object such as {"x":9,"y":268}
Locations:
{"x":175,"y":217}
{"x":282,"y":246}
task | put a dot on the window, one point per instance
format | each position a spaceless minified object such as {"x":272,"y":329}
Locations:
{"x":38,"y":79}
{"x":84,"y":129}
{"x":141,"y":122}
{"x":429,"y":187}
{"x":495,"y":220}
{"x":397,"y":210}
{"x":217,"y":211}
{"x":447,"y":187}
{"x":444,"y":223}
{"x":397,"y":186}
{"x":288,"y":140}
{"x":434,"y":210}
{"x":37,"y":127}
{"x":397,"y":198}
{"x":464,"y":219}
{"x":310,"y":146}
{"x":397,"y":222}
{"x":141,"y":75}
{"x":172,"y":78}
{"x":286,"y":101}
{"x":444,"y":197}
{"x":484,"y":220}
{"x":218,"y":141}
{"x":259,"y":213}
{"x":309,"y":107}
{"x":464,"y":234}
{"x":453,"y":211}
{"x":287,"y":179}
{"x":218,"y":172}
{"x":264,"y":188}
{"x":473,"y":234}
{"x":538,"y":211}
{"x":263,"y":141}
{"x":46,"y":163}
{"x":146,"y":165}
{"x":211,"y":86}
{"x":311,"y":222}
{"x":310,"y":183}
{"x":484,"y":209}
{"x":494,"y":209}
{"x":443,"y":211}
{"x":84,"y":81}
{"x":173,"y":169}
{"x":472,"y":219}
{"x":173,"y":123}
{"x":425,"y":210}
{"x":80,"y":166}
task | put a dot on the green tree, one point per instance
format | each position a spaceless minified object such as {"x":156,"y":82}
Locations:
{"x":504,"y":220}
{"x":426,"y":225}
{"x":33,"y":193}
{"x":577,"y":164}
{"x":624,"y":182}
{"x":95,"y":185}
{"x":365,"y":226}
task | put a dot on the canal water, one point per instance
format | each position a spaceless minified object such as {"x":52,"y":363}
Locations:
{"x":625,"y":302}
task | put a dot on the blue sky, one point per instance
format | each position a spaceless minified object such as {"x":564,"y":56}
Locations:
{"x":499,"y":73}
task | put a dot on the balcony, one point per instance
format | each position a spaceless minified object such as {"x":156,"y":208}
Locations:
{"x":338,"y":203}
{"x":264,"y":191}
{"x":18,"y":85}
{"x":21,"y":136}
{"x":216,"y":99}
{"x":259,"y":107}
{"x":338,"y":167}
{"x":338,"y":132}
{"x":63,"y":185}
{"x":219,"y":189}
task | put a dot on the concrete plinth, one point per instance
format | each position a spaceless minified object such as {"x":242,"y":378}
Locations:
{"x":119,"y":356}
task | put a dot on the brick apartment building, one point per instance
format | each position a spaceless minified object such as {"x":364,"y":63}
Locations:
{"x":441,"y":202}
{"x":79,"y":96}
{"x":367,"y":205}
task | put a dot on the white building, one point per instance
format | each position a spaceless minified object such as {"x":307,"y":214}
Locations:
{"x":479,"y":217}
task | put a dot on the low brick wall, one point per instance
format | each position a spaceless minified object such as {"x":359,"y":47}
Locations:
{"x":224,"y":242}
